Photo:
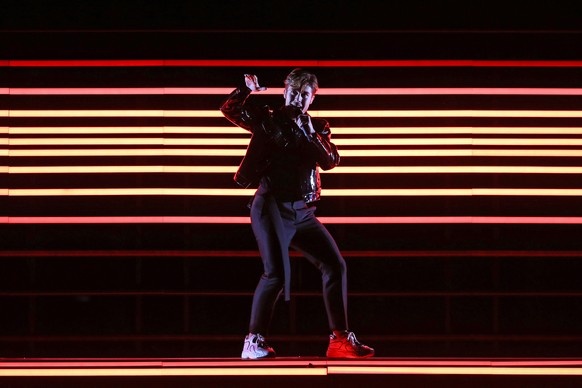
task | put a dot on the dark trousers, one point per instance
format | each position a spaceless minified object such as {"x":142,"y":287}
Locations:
{"x":297,"y":228}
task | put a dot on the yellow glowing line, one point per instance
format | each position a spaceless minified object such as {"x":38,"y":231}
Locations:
{"x":322,"y":113}
{"x":337,"y":170}
{"x":446,"y":113}
{"x":528,"y":142}
{"x":344,"y":152}
{"x":335,"y":130}
{"x":456,"y":170}
{"x":130,"y":152}
{"x":556,"y":153}
{"x":325,"y":192}
{"x":120,"y":169}
{"x":126,"y":141}
{"x":252,"y":371}
{"x":455,"y":370}
{"x":87,"y":113}
{"x":526,"y":130}
{"x":124,"y":130}
{"x":338,"y":142}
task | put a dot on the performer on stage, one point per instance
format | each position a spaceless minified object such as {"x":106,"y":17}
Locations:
{"x":283,"y":156}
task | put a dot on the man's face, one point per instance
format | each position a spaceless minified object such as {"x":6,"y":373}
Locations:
{"x":298,"y":98}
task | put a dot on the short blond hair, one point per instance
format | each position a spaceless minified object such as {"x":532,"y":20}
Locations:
{"x":300,"y":78}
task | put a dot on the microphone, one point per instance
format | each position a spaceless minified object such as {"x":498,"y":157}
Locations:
{"x":304,"y":124}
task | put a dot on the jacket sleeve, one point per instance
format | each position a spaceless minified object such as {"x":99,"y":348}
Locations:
{"x":238,"y":111}
{"x":321,"y":146}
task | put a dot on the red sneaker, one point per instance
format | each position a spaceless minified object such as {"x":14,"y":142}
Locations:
{"x":347,"y":346}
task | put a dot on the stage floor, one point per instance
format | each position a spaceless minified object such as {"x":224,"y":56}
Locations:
{"x":292,"y":371}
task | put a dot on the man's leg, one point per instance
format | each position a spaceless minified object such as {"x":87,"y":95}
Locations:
{"x":314,"y":241}
{"x":270,"y":284}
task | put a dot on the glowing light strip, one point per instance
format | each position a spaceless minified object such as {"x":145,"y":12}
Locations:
{"x":336,"y":130}
{"x":325,"y":192}
{"x":133,"y":140}
{"x":322,"y":113}
{"x":337,"y":170}
{"x":291,"y":63}
{"x":254,"y":371}
{"x":345,"y":153}
{"x":515,"y":371}
{"x":325,"y":220}
{"x":294,"y":371}
{"x":338,"y":142}
{"x":124,"y":130}
{"x":279,"y":90}
{"x":446,"y":113}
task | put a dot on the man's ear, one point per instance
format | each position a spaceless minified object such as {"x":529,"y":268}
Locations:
{"x":284,"y":93}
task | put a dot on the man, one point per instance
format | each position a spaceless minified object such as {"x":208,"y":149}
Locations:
{"x":285,"y":151}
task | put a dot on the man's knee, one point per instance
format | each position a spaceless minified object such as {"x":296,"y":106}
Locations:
{"x":273,"y":279}
{"x":334,"y":270}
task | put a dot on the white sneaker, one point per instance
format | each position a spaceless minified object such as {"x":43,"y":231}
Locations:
{"x":256,"y":347}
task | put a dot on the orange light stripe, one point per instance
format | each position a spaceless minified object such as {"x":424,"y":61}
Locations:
{"x":338,"y":142}
{"x":335,"y":130}
{"x":124,"y":130}
{"x":325,"y":192}
{"x":279,"y":90}
{"x":344,"y":153}
{"x":132,"y":140}
{"x":446,"y":113}
{"x":337,"y":170}
{"x":128,"y":152}
{"x":325,"y":220}
{"x":322,"y":113}
{"x":119,"y":169}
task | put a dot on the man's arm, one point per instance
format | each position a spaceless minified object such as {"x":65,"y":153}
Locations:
{"x":236,"y":109}
{"x":318,"y":135}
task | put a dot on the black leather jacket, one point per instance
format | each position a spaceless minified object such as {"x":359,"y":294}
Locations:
{"x":282,"y":156}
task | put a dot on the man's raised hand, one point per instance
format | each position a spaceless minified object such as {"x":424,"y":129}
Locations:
{"x":252,"y":83}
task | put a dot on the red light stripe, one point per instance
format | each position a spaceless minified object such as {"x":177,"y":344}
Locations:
{"x":278,"y":90}
{"x":322,"y":113}
{"x":325,"y":220}
{"x":326,"y":192}
{"x":290,"y":63}
{"x":352,"y":254}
